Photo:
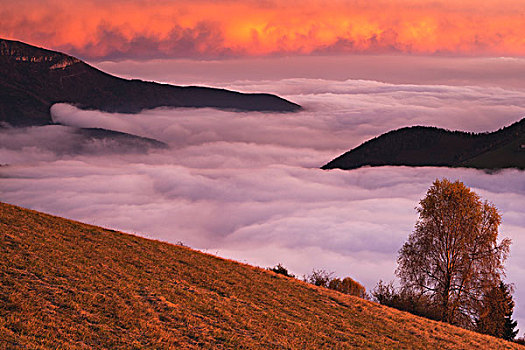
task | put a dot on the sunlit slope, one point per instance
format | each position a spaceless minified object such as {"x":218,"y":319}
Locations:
{"x":67,"y":285}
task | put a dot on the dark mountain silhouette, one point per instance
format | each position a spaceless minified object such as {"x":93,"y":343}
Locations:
{"x":88,"y":140}
{"x":32,"y":79}
{"x":430,"y":146}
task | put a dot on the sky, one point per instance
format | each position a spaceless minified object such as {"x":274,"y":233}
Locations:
{"x":248,"y":186}
{"x":211,"y":29}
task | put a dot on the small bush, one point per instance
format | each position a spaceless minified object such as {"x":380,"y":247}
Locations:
{"x":281,"y":270}
{"x":347,"y":286}
{"x":405,"y":300}
{"x":319,"y":278}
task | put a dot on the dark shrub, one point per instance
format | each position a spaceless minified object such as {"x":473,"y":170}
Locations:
{"x":281,"y":270}
{"x":319,"y":278}
{"x":405,"y":300}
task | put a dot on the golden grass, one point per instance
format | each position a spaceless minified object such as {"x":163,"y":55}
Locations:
{"x":68,"y":285}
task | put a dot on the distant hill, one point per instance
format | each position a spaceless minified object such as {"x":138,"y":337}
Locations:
{"x":88,"y":140}
{"x":68,"y":285}
{"x":430,"y":146}
{"x":32,"y":79}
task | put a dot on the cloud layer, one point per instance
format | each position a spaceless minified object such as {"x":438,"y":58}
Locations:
{"x":217,"y":29}
{"x":396,"y":69}
{"x":247,"y":185}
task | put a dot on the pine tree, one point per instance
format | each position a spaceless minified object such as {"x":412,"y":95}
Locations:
{"x":496,"y":311}
{"x":509,"y":332}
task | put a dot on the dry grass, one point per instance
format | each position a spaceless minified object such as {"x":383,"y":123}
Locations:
{"x":67,"y":285}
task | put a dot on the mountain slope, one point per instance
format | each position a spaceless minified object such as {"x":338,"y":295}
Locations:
{"x":430,"y":146}
{"x":32,"y":79}
{"x":65,"y":284}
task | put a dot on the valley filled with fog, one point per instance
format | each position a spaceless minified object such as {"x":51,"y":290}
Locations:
{"x":247,"y":186}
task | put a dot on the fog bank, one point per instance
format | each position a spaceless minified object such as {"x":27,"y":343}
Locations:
{"x":248,"y":185}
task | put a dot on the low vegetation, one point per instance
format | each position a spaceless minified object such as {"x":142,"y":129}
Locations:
{"x":68,"y":285}
{"x":281,"y":270}
{"x":347,"y":285}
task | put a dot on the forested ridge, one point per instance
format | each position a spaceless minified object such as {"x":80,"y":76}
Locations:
{"x":431,"y":146}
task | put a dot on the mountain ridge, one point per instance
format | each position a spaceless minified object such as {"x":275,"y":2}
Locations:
{"x":32,"y":79}
{"x":432,"y":146}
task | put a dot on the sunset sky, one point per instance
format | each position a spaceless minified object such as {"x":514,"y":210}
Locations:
{"x":206,"y":29}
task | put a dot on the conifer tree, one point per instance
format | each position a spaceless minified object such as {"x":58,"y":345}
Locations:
{"x":495,"y":317}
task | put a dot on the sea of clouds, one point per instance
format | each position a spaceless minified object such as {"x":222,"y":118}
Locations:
{"x":248,"y":186}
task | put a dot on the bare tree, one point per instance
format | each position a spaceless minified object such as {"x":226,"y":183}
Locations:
{"x":453,"y":256}
{"x":319,"y":278}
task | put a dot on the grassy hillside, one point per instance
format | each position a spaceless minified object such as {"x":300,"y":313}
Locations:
{"x":430,"y":146}
{"x":68,"y":285}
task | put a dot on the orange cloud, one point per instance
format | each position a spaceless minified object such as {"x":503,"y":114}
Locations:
{"x":211,"y":29}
